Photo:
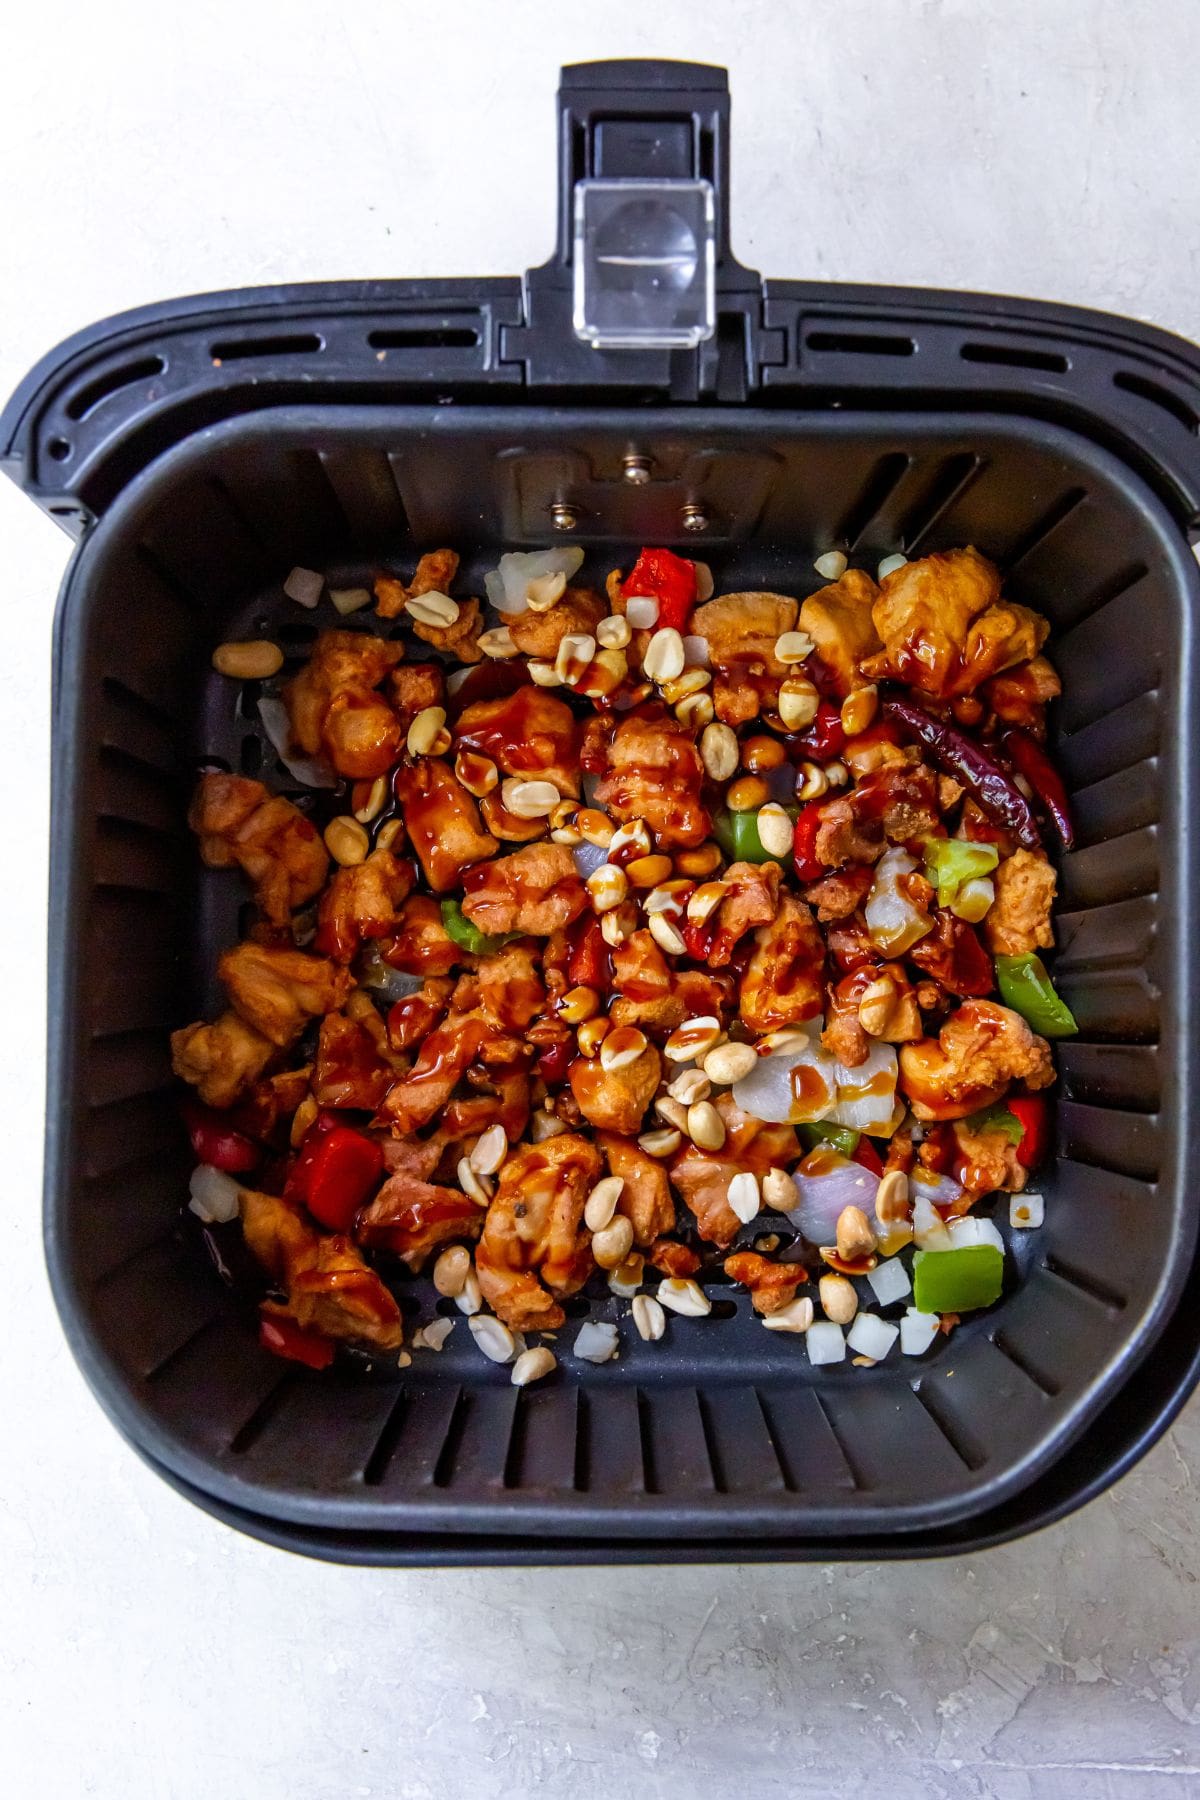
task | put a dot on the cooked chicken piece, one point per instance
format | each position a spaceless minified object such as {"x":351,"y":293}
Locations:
{"x":1020,"y":696}
{"x":646,"y":1197}
{"x":903,"y":797}
{"x":703,"y":995}
{"x":1018,"y":920}
{"x":530,"y":734}
{"x":751,"y":899}
{"x":459,"y":641}
{"x":506,"y":986}
{"x":419,"y":1096}
{"x":945,"y":628}
{"x":844,"y":1035}
{"x":412,"y":1215}
{"x":333,"y":709}
{"x":538,"y":634}
{"x":952,"y":955}
{"x":739,"y":698}
{"x":278,"y":991}
{"x":329,"y":1287}
{"x":981,"y":1049}
{"x":655,"y":773}
{"x":900,"y":1152}
{"x":220,"y":1060}
{"x":360,"y":903}
{"x":671,"y":1258}
{"x":349,"y":1070}
{"x":411,"y":1020}
{"x":270,"y":1103}
{"x":849,"y":944}
{"x":845,"y":836}
{"x":535,"y":890}
{"x":783,"y":981}
{"x":443,"y":822}
{"x":742,"y":630}
{"x":434,"y":573}
{"x":644,"y":988}
{"x":534,"y":1250}
{"x":949,"y":793}
{"x":838,"y":620}
{"x":772,"y":1285}
{"x":420,"y":944}
{"x":503,"y":1100}
{"x":702,"y":1177}
{"x":238,"y":821}
{"x":838,"y":895}
{"x":987,"y":1160}
{"x":616,"y":1099}
{"x":413,"y":687}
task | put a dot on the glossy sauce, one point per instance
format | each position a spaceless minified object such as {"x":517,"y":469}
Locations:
{"x":811,"y":1095}
{"x":523,"y":732}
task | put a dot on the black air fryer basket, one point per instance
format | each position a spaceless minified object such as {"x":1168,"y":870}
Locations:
{"x":197,"y":450}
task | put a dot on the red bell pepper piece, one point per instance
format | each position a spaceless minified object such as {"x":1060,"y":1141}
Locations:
{"x":1044,"y":779}
{"x":282,"y":1338}
{"x":590,"y":963}
{"x":671,"y":580}
{"x":335,"y":1170}
{"x":824,"y":738}
{"x":215,"y":1142}
{"x":867,"y":1157}
{"x":698,"y":937}
{"x":804,"y":841}
{"x":1032,"y":1113}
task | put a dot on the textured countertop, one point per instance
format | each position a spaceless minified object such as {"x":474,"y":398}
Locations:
{"x":146,"y":1652}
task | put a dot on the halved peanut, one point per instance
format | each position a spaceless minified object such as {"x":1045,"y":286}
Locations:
{"x":478,"y":774}
{"x":854,"y":1235}
{"x":613,"y":633}
{"x":660,"y":1143}
{"x":671,"y":1112}
{"x":793,"y":647}
{"x":761,"y":754}
{"x":629,"y":841}
{"x":812,"y":781}
{"x":594,"y":827}
{"x":533,"y":1365}
{"x":477,"y":1187}
{"x":744,"y":1196}
{"x":693,"y":1039}
{"x":574,"y":654}
{"x":775,"y":829}
{"x":668,"y":897}
{"x":388,"y":833}
{"x":729,"y":1063}
{"x":578,"y":1004}
{"x":450,"y":1271}
{"x":694,"y":710}
{"x":591,"y":1035}
{"x":545,"y":591}
{"x":607,"y":887}
{"x":432,"y":609}
{"x":665,"y":934}
{"x":838,"y":1298}
{"x":302,"y":1119}
{"x":649,"y":1318}
{"x":612,"y":1245}
{"x":779,"y":1191}
{"x":701,"y":861}
{"x":529,"y":799}
{"x":705,"y":1126}
{"x":491,"y":1148}
{"x":498,"y":643}
{"x":601,"y":1203}
{"x":858,"y":709}
{"x":373,"y":801}
{"x":425,"y":730}
{"x":747,"y":793}
{"x":621,"y":1047}
{"x":346,"y":841}
{"x":891,"y":1197}
{"x":664,"y":658}
{"x":692,"y":681}
{"x":689,"y":1086}
{"x":619,"y":925}
{"x":648,"y":871}
{"x":543,"y":674}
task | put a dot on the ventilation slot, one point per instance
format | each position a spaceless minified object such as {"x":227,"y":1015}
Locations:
{"x":858,"y":343}
{"x":953,"y":1430}
{"x":1009,"y":356}
{"x":1159,"y":396}
{"x":950,"y":481}
{"x":445,"y":337}
{"x":1041,"y":529}
{"x":1086,"y":1283}
{"x":298,"y":343}
{"x":87,"y":399}
{"x":1045,"y":1384}
{"x":882,"y":482}
{"x":247,"y":1435}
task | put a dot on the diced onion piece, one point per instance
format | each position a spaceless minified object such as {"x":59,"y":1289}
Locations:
{"x":588,"y":857}
{"x":770,"y":1092}
{"x":970,"y":1230}
{"x":871,"y":1336}
{"x":891,"y":1235}
{"x":309,"y":771}
{"x":890,"y":1282}
{"x":890,"y":564}
{"x":214,"y":1195}
{"x":832,"y":565}
{"x":1025,"y":1211}
{"x":642,"y":612}
{"x":941,"y":1190}
{"x":894,"y":924}
{"x":350,"y":600}
{"x":974,"y":899}
{"x":704,"y":582}
{"x":381,"y":978}
{"x":825,"y":1342}
{"x":508,"y":585}
{"x":824,"y":1197}
{"x":304,"y":586}
{"x":455,"y":680}
{"x":597,"y":1341}
{"x":917,"y":1332}
{"x":695,"y":656}
{"x":929,"y":1231}
{"x":866,"y":1095}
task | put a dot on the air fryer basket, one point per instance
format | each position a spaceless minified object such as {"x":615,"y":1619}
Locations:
{"x":380,"y":420}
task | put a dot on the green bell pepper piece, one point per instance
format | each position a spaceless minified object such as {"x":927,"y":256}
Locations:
{"x":996,"y":1118}
{"x":468,"y":936}
{"x":737,"y":834}
{"x":838,"y":1137}
{"x":957,"y":1281}
{"x":951,"y":861}
{"x":1027,"y":988}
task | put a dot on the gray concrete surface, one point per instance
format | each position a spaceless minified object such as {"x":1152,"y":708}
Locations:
{"x":146,"y":1652}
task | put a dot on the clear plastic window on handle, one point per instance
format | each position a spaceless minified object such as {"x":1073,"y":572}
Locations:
{"x":645,"y":264}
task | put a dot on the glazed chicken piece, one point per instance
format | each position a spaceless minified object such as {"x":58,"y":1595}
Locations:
{"x":742,"y":630}
{"x":530,"y":733}
{"x":952,"y":955}
{"x":502,"y":1098}
{"x":534,"y":1250}
{"x":945,"y":628}
{"x":655,"y":773}
{"x":277,"y":991}
{"x":845,"y":835}
{"x":772,"y":1285}
{"x":220,"y":1060}
{"x":411,"y":1215}
{"x":987,"y":1160}
{"x":538,"y":634}
{"x":1018,"y":920}
{"x":350,"y":1068}
{"x":434,"y":573}
{"x":329,"y":1288}
{"x":506,"y":987}
{"x":672,"y":1258}
{"x":334,"y":710}
{"x":838,"y":895}
{"x":1020,"y":695}
{"x":702,"y":1177}
{"x":783,"y":982}
{"x":360,"y":903}
{"x":616,"y":1099}
{"x":459,"y":641}
{"x":643,"y":984}
{"x":239,"y":822}
{"x":981,"y":1049}
{"x":420,"y":944}
{"x":411,"y":1020}
{"x":903,"y":797}
{"x":751,"y":899}
{"x":646,"y":1196}
{"x":420,"y":1096}
{"x":413,"y":687}
{"x":443,"y":822}
{"x":703,"y":995}
{"x":839,"y":622}
{"x":535,"y":890}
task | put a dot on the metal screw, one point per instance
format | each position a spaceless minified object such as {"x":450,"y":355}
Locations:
{"x":564,"y":517}
{"x":694,"y":517}
{"x":637,"y":468}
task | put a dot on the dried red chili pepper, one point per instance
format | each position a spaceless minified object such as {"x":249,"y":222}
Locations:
{"x":1044,"y":779}
{"x":961,"y":757}
{"x":804,"y":840}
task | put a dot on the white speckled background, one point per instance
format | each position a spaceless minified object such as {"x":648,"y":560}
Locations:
{"x":146,"y":1653}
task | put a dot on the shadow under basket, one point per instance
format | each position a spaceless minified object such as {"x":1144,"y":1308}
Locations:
{"x":635,"y":389}
{"x":721,"y":1439}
